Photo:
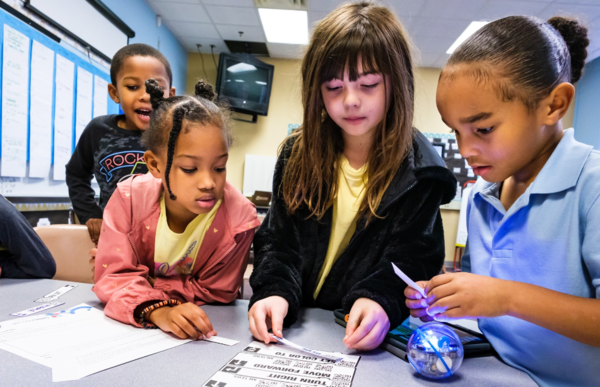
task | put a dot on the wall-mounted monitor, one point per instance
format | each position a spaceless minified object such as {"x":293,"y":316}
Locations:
{"x":245,"y":83}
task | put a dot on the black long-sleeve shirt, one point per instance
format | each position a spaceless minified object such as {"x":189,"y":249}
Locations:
{"x":107,"y":152}
{"x":22,"y":252}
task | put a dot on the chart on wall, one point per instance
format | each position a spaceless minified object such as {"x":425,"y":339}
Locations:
{"x":50,"y":92}
{"x":447,"y":148}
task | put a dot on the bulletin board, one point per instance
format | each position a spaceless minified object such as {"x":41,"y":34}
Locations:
{"x":49,"y":94}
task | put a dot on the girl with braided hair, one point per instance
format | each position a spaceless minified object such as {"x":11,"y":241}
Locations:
{"x":178,"y":237}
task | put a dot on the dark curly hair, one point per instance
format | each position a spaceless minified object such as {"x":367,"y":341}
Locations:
{"x":137,"y":49}
{"x":169,"y":114}
{"x":528,"y":57}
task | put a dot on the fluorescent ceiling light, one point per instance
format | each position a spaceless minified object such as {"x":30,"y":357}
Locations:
{"x":240,"y":68}
{"x":239,"y":80}
{"x":261,"y":82}
{"x":284,"y":26}
{"x":471,"y":29}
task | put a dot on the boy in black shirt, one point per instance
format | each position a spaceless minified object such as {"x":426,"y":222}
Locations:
{"x":109,"y":147}
{"x":22,"y":252}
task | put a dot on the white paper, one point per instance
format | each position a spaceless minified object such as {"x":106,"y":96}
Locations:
{"x":408,"y":281}
{"x":258,"y":173}
{"x":461,"y":233}
{"x":324,"y":355}
{"x":100,"y":97}
{"x":56,"y":294}
{"x":464,"y":323}
{"x":261,"y":365}
{"x":83,"y":113}
{"x":36,"y":309}
{"x":63,"y":115}
{"x":80,"y":341}
{"x":15,"y":99}
{"x":42,"y":83}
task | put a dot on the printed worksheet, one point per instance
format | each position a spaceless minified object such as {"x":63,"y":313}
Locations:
{"x":63,"y":115}
{"x":100,"y":96}
{"x":260,"y":365}
{"x":85,"y":97}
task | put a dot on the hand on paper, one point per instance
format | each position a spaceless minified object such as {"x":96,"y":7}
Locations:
{"x":466,"y":295}
{"x":94,"y":226}
{"x":267,"y":313}
{"x":186,"y":321}
{"x":367,"y":325}
{"x":416,"y":303}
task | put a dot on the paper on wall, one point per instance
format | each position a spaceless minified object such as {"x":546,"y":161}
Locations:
{"x":100,"y":97}
{"x":63,"y":115}
{"x":258,"y":173}
{"x":83,"y":112}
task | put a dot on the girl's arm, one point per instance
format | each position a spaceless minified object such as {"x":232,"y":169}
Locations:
{"x":277,"y":259}
{"x":121,"y":281}
{"x":415,"y":244}
{"x":469,"y":295}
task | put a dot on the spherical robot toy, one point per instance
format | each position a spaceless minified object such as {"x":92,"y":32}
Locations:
{"x":435,"y":351}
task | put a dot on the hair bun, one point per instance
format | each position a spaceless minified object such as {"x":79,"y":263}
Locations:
{"x":204,"y":90}
{"x":157,"y":94}
{"x":575,"y":35}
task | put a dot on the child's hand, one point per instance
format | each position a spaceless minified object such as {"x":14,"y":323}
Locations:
{"x":92,"y":261}
{"x":267,"y":313}
{"x":94,"y":226}
{"x":466,"y":295}
{"x":416,"y":303}
{"x":186,"y":321}
{"x":367,"y":325}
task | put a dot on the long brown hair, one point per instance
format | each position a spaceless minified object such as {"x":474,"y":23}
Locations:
{"x":372,"y":34}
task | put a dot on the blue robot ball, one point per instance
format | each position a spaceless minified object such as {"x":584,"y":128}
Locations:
{"x":435,"y":351}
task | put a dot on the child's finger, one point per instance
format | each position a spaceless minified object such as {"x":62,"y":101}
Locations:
{"x":363,"y":329}
{"x":443,"y":304}
{"x":277,"y":322}
{"x":411,"y":293}
{"x":260,"y":321}
{"x":353,"y":321}
{"x":418,"y":313}
{"x":416,"y":304}
{"x":449,"y":315}
{"x":187,"y":327}
{"x":438,"y":280}
{"x":199,"y":323}
{"x":177,"y":331}
{"x":372,"y":339}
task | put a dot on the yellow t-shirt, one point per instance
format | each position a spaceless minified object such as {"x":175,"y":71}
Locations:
{"x":350,"y":194}
{"x":174,"y":253}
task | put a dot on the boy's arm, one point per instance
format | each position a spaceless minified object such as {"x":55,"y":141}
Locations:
{"x":30,"y":257}
{"x":79,"y":173}
{"x":121,"y":281}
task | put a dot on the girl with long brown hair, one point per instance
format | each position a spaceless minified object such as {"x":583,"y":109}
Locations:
{"x":355,"y":187}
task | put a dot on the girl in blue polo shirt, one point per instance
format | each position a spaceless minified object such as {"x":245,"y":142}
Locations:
{"x":532,"y":265}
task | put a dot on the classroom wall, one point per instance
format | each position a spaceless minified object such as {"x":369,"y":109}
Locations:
{"x":264,"y":137}
{"x":587,"y":114}
{"x":138,"y":15}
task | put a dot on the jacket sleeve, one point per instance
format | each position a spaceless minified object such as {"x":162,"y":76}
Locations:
{"x":121,"y":281}
{"x":30,"y":257}
{"x":79,"y":173}
{"x":277,"y":259}
{"x":220,"y":283}
{"x":415,"y":244}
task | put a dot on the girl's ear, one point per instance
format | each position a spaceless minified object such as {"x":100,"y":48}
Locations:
{"x":112,"y":91}
{"x":557,"y":103}
{"x":153,"y":163}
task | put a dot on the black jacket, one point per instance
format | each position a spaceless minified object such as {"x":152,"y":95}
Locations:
{"x":290,"y":249}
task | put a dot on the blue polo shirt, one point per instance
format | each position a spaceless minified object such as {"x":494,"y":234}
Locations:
{"x":550,"y":237}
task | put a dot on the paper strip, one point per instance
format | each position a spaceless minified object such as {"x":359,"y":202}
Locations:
{"x":408,"y":281}
{"x":333,"y":358}
{"x":221,"y":340}
{"x":36,"y":309}
{"x":56,"y":294}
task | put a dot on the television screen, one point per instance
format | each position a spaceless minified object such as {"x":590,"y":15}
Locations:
{"x":245,"y":83}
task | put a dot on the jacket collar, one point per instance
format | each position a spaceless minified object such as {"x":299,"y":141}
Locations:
{"x":423,"y":162}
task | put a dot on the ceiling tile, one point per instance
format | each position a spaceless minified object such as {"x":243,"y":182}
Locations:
{"x":236,"y":16}
{"x":182,"y":12}
{"x":190,"y":44}
{"x":441,"y":61}
{"x":324,"y":5}
{"x":433,"y":44}
{"x":497,"y":9}
{"x":289,"y":51}
{"x":452,"y":9}
{"x":235,"y":3}
{"x":404,"y":7}
{"x":585,"y":13}
{"x":438,"y":27}
{"x":426,"y":59}
{"x":251,"y":34}
{"x":195,"y":30}
{"x":175,"y":1}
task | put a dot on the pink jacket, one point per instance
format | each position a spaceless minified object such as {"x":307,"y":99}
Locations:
{"x":125,"y":257}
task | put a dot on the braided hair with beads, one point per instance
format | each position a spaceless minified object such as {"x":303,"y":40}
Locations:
{"x":169,"y":115}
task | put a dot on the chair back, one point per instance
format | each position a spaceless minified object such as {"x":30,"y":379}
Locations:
{"x":70,"y":245}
